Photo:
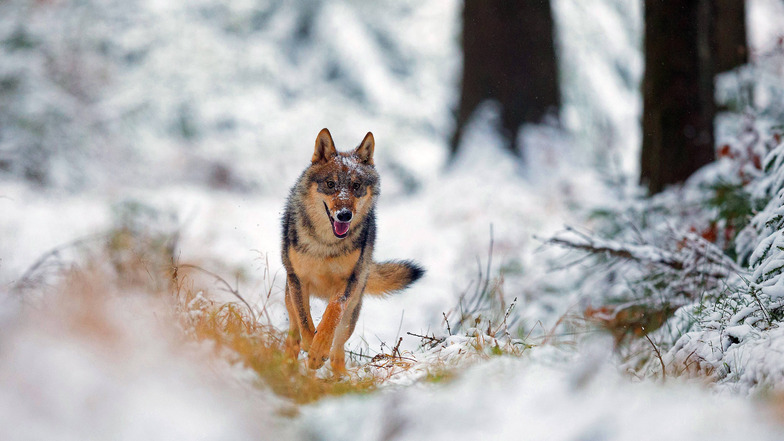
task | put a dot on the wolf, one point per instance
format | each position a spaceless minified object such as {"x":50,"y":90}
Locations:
{"x":329,"y":232}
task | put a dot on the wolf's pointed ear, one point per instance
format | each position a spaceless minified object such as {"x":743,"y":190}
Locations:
{"x":365,"y":150}
{"x":325,"y":147}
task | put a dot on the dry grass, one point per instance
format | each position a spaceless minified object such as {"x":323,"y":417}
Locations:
{"x":178,"y":295}
{"x":234,"y":326}
{"x":260,"y":347}
{"x":134,"y":259}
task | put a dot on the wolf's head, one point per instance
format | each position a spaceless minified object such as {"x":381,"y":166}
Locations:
{"x":341,"y":186}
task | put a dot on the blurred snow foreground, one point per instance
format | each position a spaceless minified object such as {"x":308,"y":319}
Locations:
{"x":96,"y":363}
{"x":139,"y":137}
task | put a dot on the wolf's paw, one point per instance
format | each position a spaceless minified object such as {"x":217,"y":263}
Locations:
{"x":317,"y":354}
{"x":292,"y":347}
{"x":307,"y":341}
{"x":338,"y":365}
{"x":315,"y":361}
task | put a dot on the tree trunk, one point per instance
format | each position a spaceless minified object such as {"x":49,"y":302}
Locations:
{"x":508,"y":56}
{"x":678,"y":105}
{"x":730,"y":26}
{"x":686,"y":43}
{"x":731,"y":49}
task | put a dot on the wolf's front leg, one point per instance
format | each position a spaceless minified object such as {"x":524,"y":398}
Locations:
{"x":337,"y":356}
{"x":322,"y":341}
{"x":301,"y":327}
{"x":333,"y":315}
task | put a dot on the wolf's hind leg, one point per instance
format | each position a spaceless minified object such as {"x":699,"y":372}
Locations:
{"x":293,"y":339}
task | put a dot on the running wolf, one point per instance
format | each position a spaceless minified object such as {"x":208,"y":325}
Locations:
{"x":329,"y":230}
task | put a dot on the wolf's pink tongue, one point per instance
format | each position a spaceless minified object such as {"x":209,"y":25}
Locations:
{"x":341,"y":228}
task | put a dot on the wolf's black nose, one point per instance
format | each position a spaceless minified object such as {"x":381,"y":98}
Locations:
{"x":344,"y":215}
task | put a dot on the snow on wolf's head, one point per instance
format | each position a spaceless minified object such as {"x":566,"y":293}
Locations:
{"x":340,"y":188}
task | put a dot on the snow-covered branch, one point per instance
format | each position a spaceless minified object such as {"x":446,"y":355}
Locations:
{"x":693,"y":254}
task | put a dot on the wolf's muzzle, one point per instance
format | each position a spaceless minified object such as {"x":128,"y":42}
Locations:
{"x":344,"y":215}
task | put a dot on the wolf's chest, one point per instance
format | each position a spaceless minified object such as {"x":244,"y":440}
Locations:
{"x":323,"y":276}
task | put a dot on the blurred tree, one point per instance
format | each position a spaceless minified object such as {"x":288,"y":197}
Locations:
{"x":687,"y":42}
{"x":508,"y":56}
{"x":730,"y":26}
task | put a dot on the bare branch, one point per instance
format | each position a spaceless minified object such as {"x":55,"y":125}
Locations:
{"x":652,"y":254}
{"x":658,"y":354}
{"x":433,"y":340}
{"x":447,"y":323}
{"x":27,"y":278}
{"x":220,"y":279}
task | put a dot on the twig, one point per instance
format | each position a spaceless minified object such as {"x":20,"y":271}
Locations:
{"x":355,"y":354}
{"x":26,"y":279}
{"x":765,"y":314}
{"x":396,"y":350}
{"x":400,"y":325}
{"x":489,"y":261}
{"x":690,"y":362}
{"x":658,"y":354}
{"x":271,"y":283}
{"x":538,"y":322}
{"x":220,"y":279}
{"x":481,"y":290}
{"x":447,"y":323}
{"x":506,"y":316}
{"x":433,"y":340}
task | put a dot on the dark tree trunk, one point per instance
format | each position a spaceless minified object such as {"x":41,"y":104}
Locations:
{"x":686,"y":43}
{"x":730,"y":26}
{"x":731,"y":48}
{"x":508,"y":56}
{"x":678,"y":105}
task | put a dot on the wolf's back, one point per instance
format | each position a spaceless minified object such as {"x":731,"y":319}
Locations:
{"x":391,"y":276}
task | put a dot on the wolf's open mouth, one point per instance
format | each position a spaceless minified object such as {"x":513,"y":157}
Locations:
{"x":339,"y":228}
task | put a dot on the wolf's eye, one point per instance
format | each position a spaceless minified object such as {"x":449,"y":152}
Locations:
{"x":331,"y":184}
{"x":356,"y":186}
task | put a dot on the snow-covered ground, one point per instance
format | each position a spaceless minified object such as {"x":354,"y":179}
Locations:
{"x":550,"y":395}
{"x":208,"y":111}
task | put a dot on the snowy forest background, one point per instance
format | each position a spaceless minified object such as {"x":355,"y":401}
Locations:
{"x":146,"y":149}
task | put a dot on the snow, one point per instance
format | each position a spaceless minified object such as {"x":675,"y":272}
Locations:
{"x":540,"y":396}
{"x":132,"y":380}
{"x":205,"y":113}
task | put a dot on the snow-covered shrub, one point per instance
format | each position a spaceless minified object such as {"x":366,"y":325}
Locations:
{"x":102,"y":92}
{"x":697,"y":267}
{"x":53,"y":71}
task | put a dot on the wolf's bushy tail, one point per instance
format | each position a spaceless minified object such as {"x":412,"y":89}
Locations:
{"x":395,"y":275}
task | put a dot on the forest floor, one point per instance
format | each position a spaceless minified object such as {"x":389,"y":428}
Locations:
{"x":125,"y":319}
{"x":147,"y":159}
